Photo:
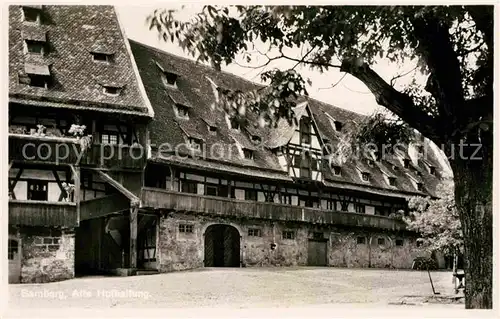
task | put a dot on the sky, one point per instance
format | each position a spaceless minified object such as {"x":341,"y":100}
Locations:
{"x":349,"y":93}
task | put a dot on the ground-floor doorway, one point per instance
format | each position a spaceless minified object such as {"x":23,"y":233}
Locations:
{"x":316,"y":253}
{"x":222,"y":246}
{"x":14,"y":255}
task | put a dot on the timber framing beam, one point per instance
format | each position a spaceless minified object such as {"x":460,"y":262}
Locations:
{"x":134,"y":200}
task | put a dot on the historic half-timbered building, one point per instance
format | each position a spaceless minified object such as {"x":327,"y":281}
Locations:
{"x":119,"y":162}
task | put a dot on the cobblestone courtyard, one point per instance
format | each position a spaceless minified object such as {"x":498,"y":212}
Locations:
{"x":241,"y":288}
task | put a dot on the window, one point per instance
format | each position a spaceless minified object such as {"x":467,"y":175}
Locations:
{"x":13,"y":248}
{"x":248,"y":154}
{"x":194,"y":143}
{"x":338,"y":126}
{"x":336,"y":170}
{"x":223,"y":191}
{"x":254,"y":232}
{"x":286,"y":199}
{"x":35,"y":47}
{"x":361,"y":240}
{"x":360,"y":208}
{"x":406,"y":163}
{"x":101,"y":57}
{"x":37,"y":190}
{"x":432,"y":170}
{"x":250,"y":194}
{"x":381,"y":241}
{"x":420,"y":242}
{"x":305,"y":131}
{"x":189,"y":187}
{"x":185,"y":228}
{"x":109,"y":138}
{"x":182,"y":111}
{"x":399,"y":242}
{"x":365,"y":177}
{"x":235,"y":125}
{"x":420,"y":187}
{"x":31,"y":14}
{"x":256,"y":139}
{"x":212,"y":129}
{"x":40,"y":81}
{"x":305,"y":165}
{"x":111,"y":91}
{"x":211,"y":190}
{"x":169,"y":78}
{"x":392,"y":181}
{"x":288,"y":234}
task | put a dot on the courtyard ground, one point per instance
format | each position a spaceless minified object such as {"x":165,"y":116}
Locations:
{"x":235,"y":288}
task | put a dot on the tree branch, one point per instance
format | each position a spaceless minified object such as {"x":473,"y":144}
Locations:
{"x":399,"y":103}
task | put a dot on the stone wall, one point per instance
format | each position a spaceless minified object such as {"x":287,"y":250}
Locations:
{"x":180,"y":251}
{"x":48,"y":254}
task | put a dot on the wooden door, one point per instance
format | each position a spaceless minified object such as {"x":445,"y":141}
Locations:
{"x":316,"y":255}
{"x":14,"y":254}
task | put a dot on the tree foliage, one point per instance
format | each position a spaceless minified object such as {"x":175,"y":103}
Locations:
{"x":437,"y":220}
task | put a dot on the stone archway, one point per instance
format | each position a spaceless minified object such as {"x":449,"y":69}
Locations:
{"x":222,"y":246}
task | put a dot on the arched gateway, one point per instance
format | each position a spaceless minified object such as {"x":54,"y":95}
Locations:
{"x":222,"y":246}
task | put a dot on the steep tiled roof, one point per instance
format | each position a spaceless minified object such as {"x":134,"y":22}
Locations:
{"x":194,"y":84}
{"x":71,"y":34}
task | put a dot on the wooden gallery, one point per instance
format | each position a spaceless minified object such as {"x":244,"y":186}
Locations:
{"x":94,"y":189}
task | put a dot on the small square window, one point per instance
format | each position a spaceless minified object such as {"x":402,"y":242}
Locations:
{"x":169,"y":78}
{"x":112,"y":91}
{"x":248,"y":154}
{"x":399,"y":242}
{"x":254,"y":232}
{"x":361,"y":240}
{"x":109,"y":138}
{"x":195,"y":144}
{"x":288,"y":234}
{"x":185,"y":228}
{"x":338,"y":126}
{"x":212,"y":129}
{"x":256,"y":139}
{"x":392,"y":181}
{"x":182,"y":111}
{"x":420,"y":187}
{"x":336,"y":170}
{"x":250,"y":194}
{"x":365,"y":177}
{"x":101,"y":57}
{"x":381,"y":241}
{"x":406,"y":163}
{"x":35,"y":47}
{"x":432,"y":170}
{"x":39,"y":81}
{"x":31,"y":14}
{"x":235,"y":125}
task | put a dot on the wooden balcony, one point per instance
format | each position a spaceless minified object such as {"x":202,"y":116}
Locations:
{"x":116,"y":156}
{"x":163,"y":199}
{"x":50,"y":150}
{"x":98,"y":207}
{"x":42,"y":213}
{"x":61,"y":150}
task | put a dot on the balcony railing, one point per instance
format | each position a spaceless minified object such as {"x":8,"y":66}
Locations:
{"x":163,"y":199}
{"x":60,"y":150}
{"x":103,"y":206}
{"x":42,"y":213}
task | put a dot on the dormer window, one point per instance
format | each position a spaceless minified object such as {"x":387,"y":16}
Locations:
{"x":432,"y":170}
{"x":406,"y":163}
{"x":392,"y":181}
{"x":31,"y":14}
{"x":111,"y":90}
{"x":248,"y":154}
{"x":235,"y":125}
{"x":365,"y":176}
{"x":212,"y":129}
{"x":101,"y":57}
{"x":336,"y":170}
{"x":256,"y":139}
{"x":420,"y":187}
{"x":338,"y":126}
{"x":35,"y":47}
{"x":169,"y":79}
{"x":182,"y":111}
{"x":36,"y":75}
{"x":194,"y":143}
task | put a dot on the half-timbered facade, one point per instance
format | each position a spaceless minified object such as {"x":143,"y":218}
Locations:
{"x":119,"y":162}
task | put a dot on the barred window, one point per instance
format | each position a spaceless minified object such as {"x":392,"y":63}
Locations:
{"x":288,"y":234}
{"x":185,"y":228}
{"x":254,"y":232}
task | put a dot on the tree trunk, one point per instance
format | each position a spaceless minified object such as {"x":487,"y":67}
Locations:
{"x":473,"y":196}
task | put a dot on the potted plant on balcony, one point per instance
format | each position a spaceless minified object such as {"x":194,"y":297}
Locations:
{"x":78,"y":131}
